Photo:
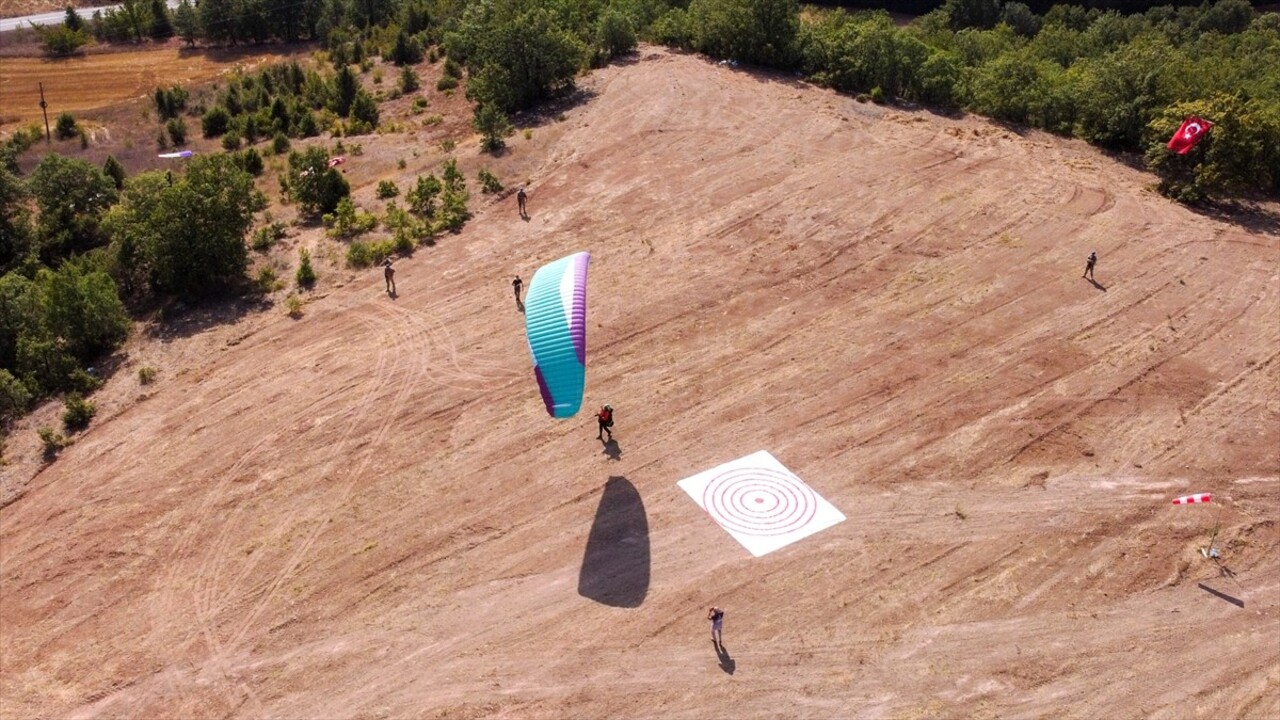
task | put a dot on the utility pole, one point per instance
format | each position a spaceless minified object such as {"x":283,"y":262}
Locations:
{"x":44,"y":108}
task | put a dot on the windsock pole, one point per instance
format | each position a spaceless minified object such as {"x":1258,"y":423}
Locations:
{"x":1211,"y":551}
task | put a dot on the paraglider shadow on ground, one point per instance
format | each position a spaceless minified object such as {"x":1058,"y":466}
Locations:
{"x":612,"y":449}
{"x":615,"y":566}
{"x":727,"y":663}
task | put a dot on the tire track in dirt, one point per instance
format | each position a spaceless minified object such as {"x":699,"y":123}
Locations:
{"x":210,"y":597}
{"x":406,"y":386}
{"x":1183,"y":347}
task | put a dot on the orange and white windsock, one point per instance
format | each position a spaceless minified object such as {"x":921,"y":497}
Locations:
{"x":1193,"y":499}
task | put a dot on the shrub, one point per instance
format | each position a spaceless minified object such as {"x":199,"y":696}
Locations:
{"x":280,"y":143}
{"x":170,"y":103}
{"x":53,"y":442}
{"x":15,"y":397}
{"x":347,"y":220}
{"x":177,"y":129}
{"x":215,"y":121}
{"x":419,"y":105}
{"x":422,"y":198}
{"x":615,"y":33}
{"x":493,"y":126}
{"x":877,"y":95}
{"x":293,"y":306}
{"x":65,"y":127}
{"x":359,"y":254}
{"x":267,"y":280}
{"x":446,"y":83}
{"x":387,"y":189}
{"x":114,"y":170}
{"x":409,"y":80}
{"x":306,"y":275}
{"x":250,"y":161}
{"x":77,"y":412}
{"x":61,"y":41}
{"x":489,"y":182}
{"x":231,"y":141}
{"x":146,"y":375}
{"x":267,"y":235}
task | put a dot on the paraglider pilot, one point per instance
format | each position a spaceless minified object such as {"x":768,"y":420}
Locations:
{"x":605,"y":418}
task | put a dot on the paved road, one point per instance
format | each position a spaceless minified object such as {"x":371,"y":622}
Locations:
{"x":53,"y":18}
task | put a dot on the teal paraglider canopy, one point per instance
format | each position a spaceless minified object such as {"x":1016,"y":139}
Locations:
{"x":555,"y":322}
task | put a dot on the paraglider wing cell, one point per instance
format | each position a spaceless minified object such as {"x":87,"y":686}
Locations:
{"x":556,"y":325}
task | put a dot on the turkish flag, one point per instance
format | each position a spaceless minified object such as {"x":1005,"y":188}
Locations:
{"x":1189,"y":133}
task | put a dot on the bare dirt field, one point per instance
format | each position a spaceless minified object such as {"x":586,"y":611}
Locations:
{"x":367,"y":512}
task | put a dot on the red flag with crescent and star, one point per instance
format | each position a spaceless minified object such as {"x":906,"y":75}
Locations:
{"x":1189,"y":133}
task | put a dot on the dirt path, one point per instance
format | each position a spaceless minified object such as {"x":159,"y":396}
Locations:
{"x":367,"y":513}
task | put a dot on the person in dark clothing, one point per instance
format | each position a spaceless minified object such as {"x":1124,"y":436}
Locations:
{"x":389,"y":274}
{"x":517,"y":284}
{"x":1088,"y":265}
{"x":521,"y":198}
{"x":716,"y":616}
{"x":605,"y":419}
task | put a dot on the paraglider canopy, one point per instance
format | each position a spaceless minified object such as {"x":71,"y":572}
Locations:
{"x":555,"y":322}
{"x":179,"y":154}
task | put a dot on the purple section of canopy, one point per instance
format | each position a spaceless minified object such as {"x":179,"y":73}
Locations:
{"x":546,"y":392}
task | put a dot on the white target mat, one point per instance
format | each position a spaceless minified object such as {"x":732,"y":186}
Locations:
{"x":761,"y":503}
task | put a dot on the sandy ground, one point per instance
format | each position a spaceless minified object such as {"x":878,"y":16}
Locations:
{"x":367,"y":512}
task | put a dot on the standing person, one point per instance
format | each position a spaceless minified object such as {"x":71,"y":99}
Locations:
{"x":1088,"y":265}
{"x":605,"y":419}
{"x":389,"y":274}
{"x":716,"y":616}
{"x":517,"y":284}
{"x":521,"y":198}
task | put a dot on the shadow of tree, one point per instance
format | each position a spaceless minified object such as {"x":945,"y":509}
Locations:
{"x":615,"y":566}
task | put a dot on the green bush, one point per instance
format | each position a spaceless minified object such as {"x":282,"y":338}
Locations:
{"x":446,"y":83}
{"x":114,"y":170}
{"x":77,"y":412}
{"x":52,"y":441}
{"x":267,"y":281}
{"x":488,"y":182}
{"x":493,"y":126}
{"x":61,"y":41}
{"x":306,"y":275}
{"x":409,"y":81}
{"x":615,"y":34}
{"x":215,"y":121}
{"x":347,"y":220}
{"x":177,"y":130}
{"x":170,"y":103}
{"x":267,"y":235}
{"x":65,"y":126}
{"x":360,"y":254}
{"x":280,"y":143}
{"x":387,"y":189}
{"x":15,"y":397}
{"x":231,"y":141}
{"x":146,"y":375}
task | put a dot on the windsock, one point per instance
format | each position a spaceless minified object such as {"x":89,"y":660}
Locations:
{"x":1193,"y":499}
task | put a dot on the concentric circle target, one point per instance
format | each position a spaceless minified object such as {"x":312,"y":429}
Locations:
{"x":759,"y":501}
